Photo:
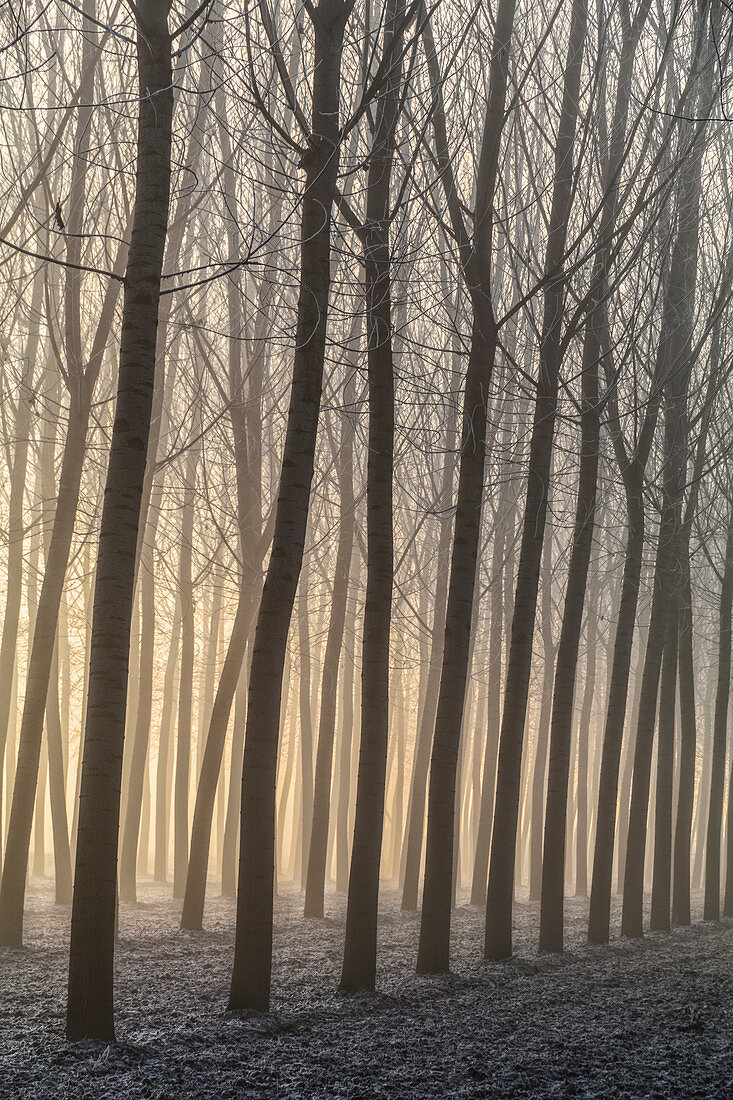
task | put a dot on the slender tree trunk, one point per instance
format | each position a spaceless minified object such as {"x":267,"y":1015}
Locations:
{"x":185,"y":687}
{"x":193,"y":903}
{"x":316,"y":869}
{"x":57,"y":790}
{"x":498,"y":938}
{"x":39,"y":821}
{"x":553,"y":856}
{"x":662,"y":873}
{"x":250,"y":987}
{"x":90,"y":1000}
{"x":636,"y":837}
{"x":702,"y":803}
{"x":229,"y":843}
{"x":583,"y":741}
{"x":343,"y":854}
{"x":15,"y":537}
{"x":162,"y":773}
{"x":12,"y":890}
{"x":360,"y":946}
{"x":423,"y":742}
{"x":675,"y":362}
{"x":728,"y":898}
{"x":711,"y":909}
{"x":141,"y":734}
{"x":542,"y":738}
{"x":306,"y":720}
{"x":434,"y":944}
{"x":551,"y":917}
{"x":488,"y":777}
{"x":688,"y":748}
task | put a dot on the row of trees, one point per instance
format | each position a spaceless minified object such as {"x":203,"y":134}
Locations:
{"x":365,"y":368}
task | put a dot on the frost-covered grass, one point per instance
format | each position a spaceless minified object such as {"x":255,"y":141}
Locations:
{"x":651,"y":1018}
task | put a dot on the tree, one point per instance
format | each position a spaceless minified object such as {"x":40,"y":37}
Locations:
{"x":250,"y":987}
{"x":90,"y":1000}
{"x":498,"y":940}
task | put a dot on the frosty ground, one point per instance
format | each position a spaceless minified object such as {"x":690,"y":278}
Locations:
{"x":651,"y":1018}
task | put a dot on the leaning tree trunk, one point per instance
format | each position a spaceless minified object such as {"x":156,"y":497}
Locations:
{"x":12,"y":890}
{"x":15,"y":535}
{"x":498,"y":938}
{"x":198,"y":862}
{"x":90,"y":1012}
{"x":250,"y":987}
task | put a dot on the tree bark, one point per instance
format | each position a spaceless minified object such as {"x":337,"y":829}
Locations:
{"x":662,"y":873}
{"x":163,"y":769}
{"x":360,"y":946}
{"x":711,"y":909}
{"x":90,"y":1000}
{"x":476,"y":260}
{"x":498,"y":937}
{"x":316,"y":868}
{"x":250,"y":987}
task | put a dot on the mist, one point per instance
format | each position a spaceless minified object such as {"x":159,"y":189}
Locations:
{"x":366,"y":580}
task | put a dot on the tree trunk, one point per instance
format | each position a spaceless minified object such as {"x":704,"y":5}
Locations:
{"x":498,"y":938}
{"x":316,"y":870}
{"x":360,"y":947}
{"x":15,"y":537}
{"x":553,"y":855}
{"x":711,"y":909}
{"x":343,"y":853}
{"x":163,"y":770}
{"x":662,"y":873}
{"x":250,"y":987}
{"x":423,"y":741}
{"x":193,"y":902}
{"x":185,"y":687}
{"x":12,"y":891}
{"x":583,"y":743}
{"x":488,"y":777}
{"x":542,"y":738}
{"x":688,"y":748}
{"x":90,"y":1001}
{"x":434,"y":944}
{"x":306,"y":721}
{"x":229,"y":843}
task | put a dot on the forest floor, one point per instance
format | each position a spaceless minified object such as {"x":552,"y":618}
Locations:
{"x":646,"y":1018}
